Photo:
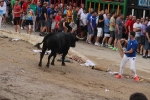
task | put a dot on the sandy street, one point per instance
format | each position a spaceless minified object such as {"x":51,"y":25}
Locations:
{"x":22,"y":79}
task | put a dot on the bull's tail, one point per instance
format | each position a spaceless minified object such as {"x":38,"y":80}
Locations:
{"x":38,"y":44}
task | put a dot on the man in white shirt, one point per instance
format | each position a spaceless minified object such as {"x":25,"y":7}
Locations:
{"x":81,"y":9}
{"x":83,"y":24}
{"x":106,"y":12}
{"x":137,"y":28}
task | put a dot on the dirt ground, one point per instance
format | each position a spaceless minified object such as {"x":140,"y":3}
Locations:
{"x":22,"y":79}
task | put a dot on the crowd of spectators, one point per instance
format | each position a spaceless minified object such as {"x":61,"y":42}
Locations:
{"x":102,"y":28}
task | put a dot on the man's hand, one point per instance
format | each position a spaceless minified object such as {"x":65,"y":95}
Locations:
{"x":149,"y":40}
{"x":93,"y":29}
{"x":118,"y":32}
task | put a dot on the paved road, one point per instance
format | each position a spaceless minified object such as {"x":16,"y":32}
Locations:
{"x":101,"y":52}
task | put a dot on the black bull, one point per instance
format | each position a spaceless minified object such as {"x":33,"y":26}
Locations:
{"x":57,"y":43}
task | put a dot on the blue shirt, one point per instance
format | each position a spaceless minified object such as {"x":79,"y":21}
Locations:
{"x":88,"y":17}
{"x":106,"y":22}
{"x":39,"y":11}
{"x":132,"y":45}
{"x":93,"y":21}
{"x":49,"y":12}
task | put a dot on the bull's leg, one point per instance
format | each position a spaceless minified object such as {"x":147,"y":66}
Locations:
{"x":63,"y":57}
{"x":42,"y":54}
{"x":52,"y":63}
{"x":49,"y":57}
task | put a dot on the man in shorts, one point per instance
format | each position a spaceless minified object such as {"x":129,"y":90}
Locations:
{"x":17,"y":12}
{"x":118,"y":31}
{"x":100,"y":28}
{"x":91,"y":27}
{"x":147,"y":43}
{"x":83,"y":23}
{"x":43,"y":18}
{"x":137,"y":29}
{"x":106,"y":30}
{"x":111,"y":28}
{"x":143,"y":36}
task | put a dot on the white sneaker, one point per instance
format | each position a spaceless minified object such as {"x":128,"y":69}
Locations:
{"x":97,"y":44}
{"x":22,"y":28}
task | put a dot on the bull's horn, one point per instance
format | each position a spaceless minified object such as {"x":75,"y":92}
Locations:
{"x":80,"y":38}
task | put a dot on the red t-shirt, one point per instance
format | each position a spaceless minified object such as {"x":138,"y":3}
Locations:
{"x":17,"y":8}
{"x":57,"y":18}
{"x":129,"y":23}
{"x":24,"y":6}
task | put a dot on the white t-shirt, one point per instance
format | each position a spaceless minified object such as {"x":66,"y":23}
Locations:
{"x":135,"y":25}
{"x":83,"y":17}
{"x":104,"y":15}
{"x":80,"y":11}
{"x":4,"y":8}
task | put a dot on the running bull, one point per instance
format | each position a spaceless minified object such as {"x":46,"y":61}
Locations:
{"x":57,"y":43}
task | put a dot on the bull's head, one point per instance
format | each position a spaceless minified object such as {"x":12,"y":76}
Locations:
{"x":73,"y":39}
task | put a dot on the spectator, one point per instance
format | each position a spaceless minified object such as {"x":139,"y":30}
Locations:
{"x":29,"y":19}
{"x":75,"y":15}
{"x":147,"y":43}
{"x":118,"y":31}
{"x":24,"y":8}
{"x":142,"y":20}
{"x":143,"y":32}
{"x":1,"y":13}
{"x":57,"y":19}
{"x":129,"y":25}
{"x":49,"y":17}
{"x":111,"y":28}
{"x":100,"y":27}
{"x":137,"y":29}
{"x":138,"y":96}
{"x":61,"y":27}
{"x":33,"y":6}
{"x":69,"y":14}
{"x":106,"y":30}
{"x":91,"y":27}
{"x":43,"y":18}
{"x":83,"y":23}
{"x":105,"y":14}
{"x":17,"y":12}
{"x":53,"y":24}
{"x":38,"y":15}
{"x":81,"y":9}
{"x":4,"y":13}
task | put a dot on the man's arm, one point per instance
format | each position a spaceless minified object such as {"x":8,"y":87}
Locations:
{"x":81,"y":20}
{"x":147,"y":35}
{"x":128,"y":52}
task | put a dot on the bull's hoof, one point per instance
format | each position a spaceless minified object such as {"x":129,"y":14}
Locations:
{"x":47,"y":65}
{"x":52,"y":63}
{"x":40,"y":65}
{"x":63,"y":64}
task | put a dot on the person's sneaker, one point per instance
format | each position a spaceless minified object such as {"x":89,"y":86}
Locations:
{"x":110,"y":47}
{"x":118,"y":76}
{"x":22,"y":28}
{"x":148,"y":56}
{"x":102,"y":45}
{"x":114,"y":49}
{"x":97,"y":44}
{"x":136,"y":79}
{"x":143,"y":56}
